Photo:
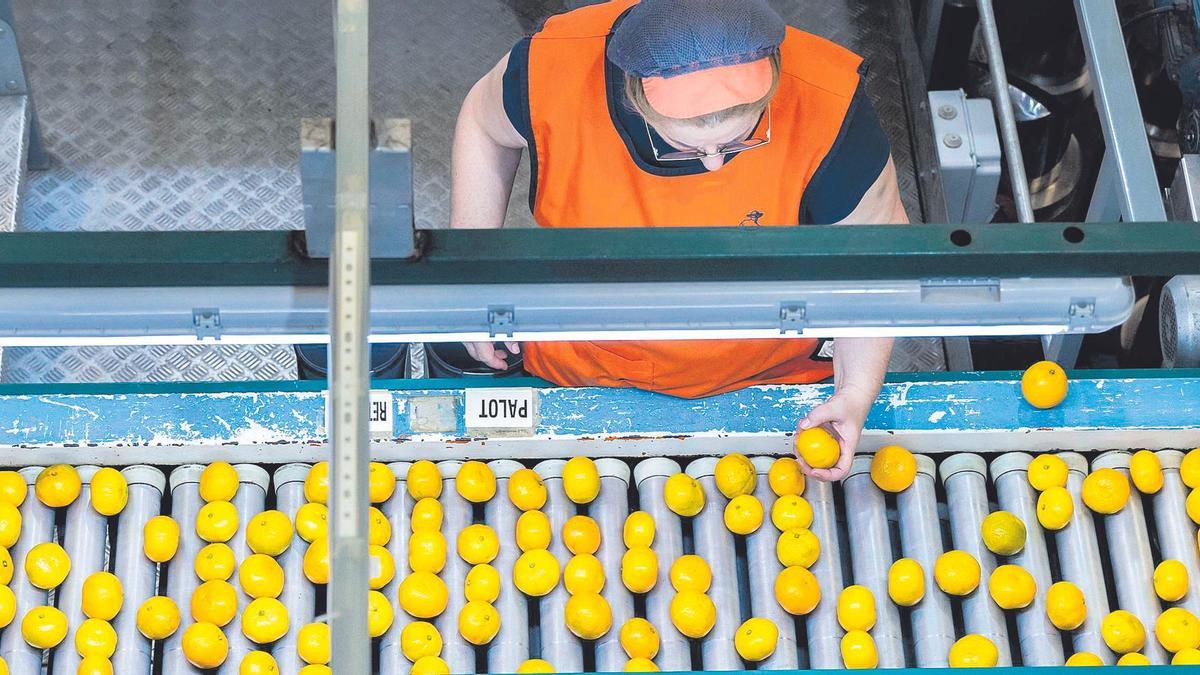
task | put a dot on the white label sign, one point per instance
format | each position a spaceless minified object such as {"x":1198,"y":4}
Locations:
{"x":379,"y":413}
{"x":499,"y":409}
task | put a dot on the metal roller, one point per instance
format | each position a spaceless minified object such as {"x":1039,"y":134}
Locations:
{"x":872,"y":557}
{"x":181,"y":574}
{"x":1040,"y":641}
{"x":253,"y":481}
{"x":86,"y":542}
{"x":921,"y":540}
{"x":966,"y":490}
{"x":298,"y":595}
{"x":37,"y":526}
{"x":610,"y":509}
{"x":510,"y":647}
{"x":763,"y":567}
{"x":138,"y":574}
{"x":714,"y":542}
{"x":398,"y":511}
{"x":1079,"y":560}
{"x":562,"y":649}
{"x":1176,"y":532}
{"x":458,"y":653}
{"x":824,"y":632}
{"x":650,"y":475}
{"x":1130,"y":558}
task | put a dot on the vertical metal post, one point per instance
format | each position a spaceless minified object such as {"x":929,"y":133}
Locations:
{"x":349,"y":285}
{"x":929,"y":26}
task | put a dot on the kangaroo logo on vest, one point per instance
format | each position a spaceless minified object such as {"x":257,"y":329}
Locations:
{"x":751,"y":218}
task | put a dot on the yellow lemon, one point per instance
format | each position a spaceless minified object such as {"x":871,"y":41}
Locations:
{"x":1084,"y":659}
{"x":1044,"y":384}
{"x":1123,"y":632}
{"x":316,"y":561}
{"x":588,"y":616}
{"x":1012,"y":587}
{"x":1189,"y":468}
{"x":217,"y":522}
{"x":1065,"y":606}
{"x":264,"y":620}
{"x":482,"y":584}
{"x":429,"y":665}
{"x":640,"y":665}
{"x":581,"y":535}
{"x":215,"y":561}
{"x":379,"y":528}
{"x":798,"y":546}
{"x":893,"y":468}
{"x":858,"y":650}
{"x":427,"y":515}
{"x":534,"y":666}
{"x":478,"y":622}
{"x":322,"y":669}
{"x":92,"y":665}
{"x":1171,"y":580}
{"x":1186,"y":657}
{"x":426,"y":552}
{"x":44,"y":627}
{"x":1177,"y":629}
{"x":58,"y":485}
{"x":47,"y":565}
{"x":10,"y":524}
{"x":478,"y":544}
{"x":1133,"y":659}
{"x":109,"y":491}
{"x":1055,"y":506}
{"x":158,"y":618}
{"x":6,"y":567}
{"x":260,"y":576}
{"x":269,"y":532}
{"x":380,"y":566}
{"x":638,"y":530}
{"x":533,"y":531}
{"x":906,"y":582}
{"x":1047,"y":471}
{"x":683,"y":495}
{"x":1192,"y":505}
{"x":95,"y":637}
{"x":8,"y":606}
{"x":755,"y":639}
{"x":1105,"y":491}
{"x":639,"y":639}
{"x":785,"y":477}
{"x":956,"y":573}
{"x":790,"y":512}
{"x":312,"y":521}
{"x":13,"y":488}
{"x":160,"y":538}
{"x":312,"y":642}
{"x":218,"y":482}
{"x":102,"y":596}
{"x":1146,"y":472}
{"x":581,"y":480}
{"x":583,"y":574}
{"x":214,"y":602}
{"x":818,"y":448}
{"x":797,"y":590}
{"x":639,"y":569}
{"x":420,"y":639}
{"x":204,"y":645}
{"x":258,"y":663}
{"x":743,"y":514}
{"x":690,"y":573}
{"x":735,"y":475}
{"x":856,"y":608}
{"x":973,"y":651}
{"x":1003,"y":533}
{"x":381,"y":482}
{"x":423,"y":480}
{"x":526,"y":490}
{"x":423,"y":595}
{"x":475,"y":482}
{"x":536,"y":572}
{"x":316,"y":483}
{"x":693,"y":613}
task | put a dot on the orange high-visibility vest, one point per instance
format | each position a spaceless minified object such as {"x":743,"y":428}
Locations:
{"x":586,"y":176}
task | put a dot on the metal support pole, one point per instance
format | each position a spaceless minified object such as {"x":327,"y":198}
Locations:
{"x":929,"y":25}
{"x":349,"y":278}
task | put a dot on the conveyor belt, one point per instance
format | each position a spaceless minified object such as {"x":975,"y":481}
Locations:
{"x":862,"y":531}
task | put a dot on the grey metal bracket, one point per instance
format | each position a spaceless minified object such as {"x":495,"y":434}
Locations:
{"x":390,"y":190}
{"x":501,"y":320}
{"x":793,"y":316}
{"x":207,"y":322}
{"x":968,"y":153}
{"x":13,"y":82}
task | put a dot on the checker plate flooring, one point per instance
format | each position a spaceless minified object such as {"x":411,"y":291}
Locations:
{"x":177,"y":115}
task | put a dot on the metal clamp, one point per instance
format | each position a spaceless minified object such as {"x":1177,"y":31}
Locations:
{"x":207,"y":322}
{"x":793,"y":317}
{"x":1081,"y":313}
{"x":501,"y":319}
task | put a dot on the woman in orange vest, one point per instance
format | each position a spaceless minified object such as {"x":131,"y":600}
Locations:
{"x":669,"y":113}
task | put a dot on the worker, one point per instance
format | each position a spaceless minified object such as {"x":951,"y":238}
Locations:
{"x":669,"y":113}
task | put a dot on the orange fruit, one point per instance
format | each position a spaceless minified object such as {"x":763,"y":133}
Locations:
{"x":1044,"y":384}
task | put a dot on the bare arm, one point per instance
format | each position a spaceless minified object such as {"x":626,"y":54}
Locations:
{"x":881,"y":204}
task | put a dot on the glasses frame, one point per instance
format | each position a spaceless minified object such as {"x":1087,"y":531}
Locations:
{"x":725,"y":149}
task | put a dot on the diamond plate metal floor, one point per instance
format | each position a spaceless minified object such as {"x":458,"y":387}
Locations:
{"x":174,"y":115}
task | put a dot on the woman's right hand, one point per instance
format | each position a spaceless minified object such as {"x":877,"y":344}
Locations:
{"x":487,"y":354}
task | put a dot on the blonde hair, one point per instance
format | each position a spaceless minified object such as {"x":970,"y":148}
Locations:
{"x":635,"y":97}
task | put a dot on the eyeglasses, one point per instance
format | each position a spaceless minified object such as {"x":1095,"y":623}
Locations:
{"x":696,"y":153}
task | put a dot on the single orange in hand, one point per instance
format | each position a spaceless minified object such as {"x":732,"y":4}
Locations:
{"x":818,"y":448}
